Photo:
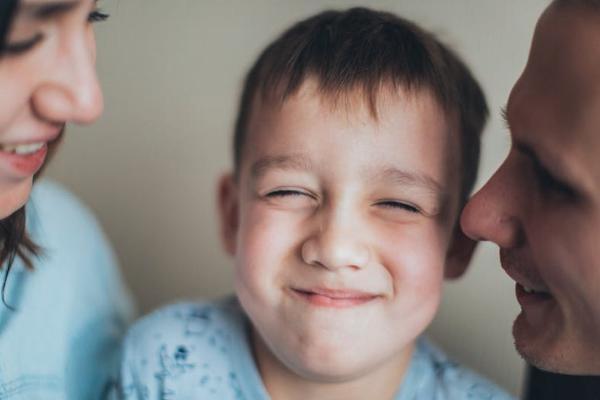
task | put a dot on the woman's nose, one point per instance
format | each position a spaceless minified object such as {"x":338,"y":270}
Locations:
{"x":70,"y":91}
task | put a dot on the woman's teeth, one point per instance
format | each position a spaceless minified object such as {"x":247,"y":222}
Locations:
{"x":22,"y":149}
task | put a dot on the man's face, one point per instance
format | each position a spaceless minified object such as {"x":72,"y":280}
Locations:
{"x":542,"y":206}
{"x":340,"y":225}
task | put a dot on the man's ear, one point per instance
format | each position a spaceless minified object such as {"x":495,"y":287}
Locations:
{"x":228,"y":203}
{"x":459,"y":254}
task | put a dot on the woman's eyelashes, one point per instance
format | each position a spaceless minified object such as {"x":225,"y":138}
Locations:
{"x":97,"y":16}
{"x":23,"y":46}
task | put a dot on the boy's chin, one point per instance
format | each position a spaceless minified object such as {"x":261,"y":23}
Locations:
{"x":350,"y":364}
{"x":337,"y":370}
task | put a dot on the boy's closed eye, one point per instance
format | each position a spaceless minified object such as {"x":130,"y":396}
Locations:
{"x":399,"y":206}
{"x":289,"y":198}
{"x":296,"y":196}
{"x":287,"y":193}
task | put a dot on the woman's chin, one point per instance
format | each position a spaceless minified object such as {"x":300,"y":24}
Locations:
{"x":13,"y":196}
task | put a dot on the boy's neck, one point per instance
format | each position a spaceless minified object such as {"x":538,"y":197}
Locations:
{"x":284,"y":384}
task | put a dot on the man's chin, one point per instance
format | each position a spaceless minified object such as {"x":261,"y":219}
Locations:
{"x":551,"y":350}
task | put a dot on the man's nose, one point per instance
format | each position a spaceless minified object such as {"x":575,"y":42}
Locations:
{"x":492,"y":213}
{"x":337,"y":243}
{"x":70,"y":91}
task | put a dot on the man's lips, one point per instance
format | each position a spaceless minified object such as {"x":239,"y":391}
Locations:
{"x":530,"y":288}
{"x":336,"y":298}
{"x":528,"y":298}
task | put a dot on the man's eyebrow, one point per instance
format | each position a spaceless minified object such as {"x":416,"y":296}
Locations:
{"x":292,"y":161}
{"x":525,"y":148}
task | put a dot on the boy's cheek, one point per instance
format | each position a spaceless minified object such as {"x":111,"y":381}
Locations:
{"x":414,"y":253}
{"x":265,"y":240}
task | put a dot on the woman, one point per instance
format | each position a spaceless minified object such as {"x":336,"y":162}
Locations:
{"x":64,"y":309}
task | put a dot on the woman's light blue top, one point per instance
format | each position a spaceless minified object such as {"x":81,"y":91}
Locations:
{"x":62,"y":341}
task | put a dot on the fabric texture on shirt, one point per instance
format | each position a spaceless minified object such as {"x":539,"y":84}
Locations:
{"x":201,"y":351}
{"x":62,"y":340}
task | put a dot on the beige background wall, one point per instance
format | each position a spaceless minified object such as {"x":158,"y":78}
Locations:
{"x":171,"y":70}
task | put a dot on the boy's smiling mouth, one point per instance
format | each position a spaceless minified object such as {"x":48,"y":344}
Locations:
{"x":335,"y":298}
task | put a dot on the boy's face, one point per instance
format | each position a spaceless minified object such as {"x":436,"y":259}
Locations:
{"x":542,"y":206}
{"x":340,"y":225}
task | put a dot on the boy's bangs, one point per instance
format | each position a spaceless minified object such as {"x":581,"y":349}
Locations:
{"x":350,"y":54}
{"x":360,"y":54}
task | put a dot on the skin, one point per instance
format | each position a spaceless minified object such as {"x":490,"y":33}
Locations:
{"x":542,"y":206}
{"x":341,"y":227}
{"x":50,"y":82}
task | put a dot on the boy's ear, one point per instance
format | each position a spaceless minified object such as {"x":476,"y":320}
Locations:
{"x":459,"y":254}
{"x":228,"y":203}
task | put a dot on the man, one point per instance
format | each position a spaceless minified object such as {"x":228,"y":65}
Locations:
{"x":542,"y":206}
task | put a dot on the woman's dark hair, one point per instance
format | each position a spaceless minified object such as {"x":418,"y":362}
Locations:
{"x":7,"y":10}
{"x":14,"y":241}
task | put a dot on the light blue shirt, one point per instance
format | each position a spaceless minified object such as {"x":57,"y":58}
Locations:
{"x":63,"y":339}
{"x":201,"y":351}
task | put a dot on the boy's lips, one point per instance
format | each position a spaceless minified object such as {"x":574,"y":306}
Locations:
{"x":335,"y":298}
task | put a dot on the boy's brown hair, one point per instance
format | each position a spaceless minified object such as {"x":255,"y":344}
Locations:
{"x":361,"y":49}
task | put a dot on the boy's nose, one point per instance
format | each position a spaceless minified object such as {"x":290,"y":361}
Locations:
{"x":337,"y":244}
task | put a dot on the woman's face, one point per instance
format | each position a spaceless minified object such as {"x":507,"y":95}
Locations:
{"x":47,"y":78}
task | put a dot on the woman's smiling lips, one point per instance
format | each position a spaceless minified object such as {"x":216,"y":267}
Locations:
{"x":26,"y":157}
{"x":335,"y":298}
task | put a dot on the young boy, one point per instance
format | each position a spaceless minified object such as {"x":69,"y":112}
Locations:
{"x":356,"y":145}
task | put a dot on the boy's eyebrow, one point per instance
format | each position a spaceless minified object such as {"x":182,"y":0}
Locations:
{"x":409,"y":178}
{"x":292,"y":161}
{"x":389,"y":174}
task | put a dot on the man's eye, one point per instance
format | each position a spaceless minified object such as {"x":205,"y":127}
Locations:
{"x":97,"y":16}
{"x":18,"y":48}
{"x":392,"y":204}
{"x":549,"y":184}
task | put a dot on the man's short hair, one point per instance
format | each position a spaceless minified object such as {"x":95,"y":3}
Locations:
{"x":366,"y":50}
{"x":578,"y":3}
